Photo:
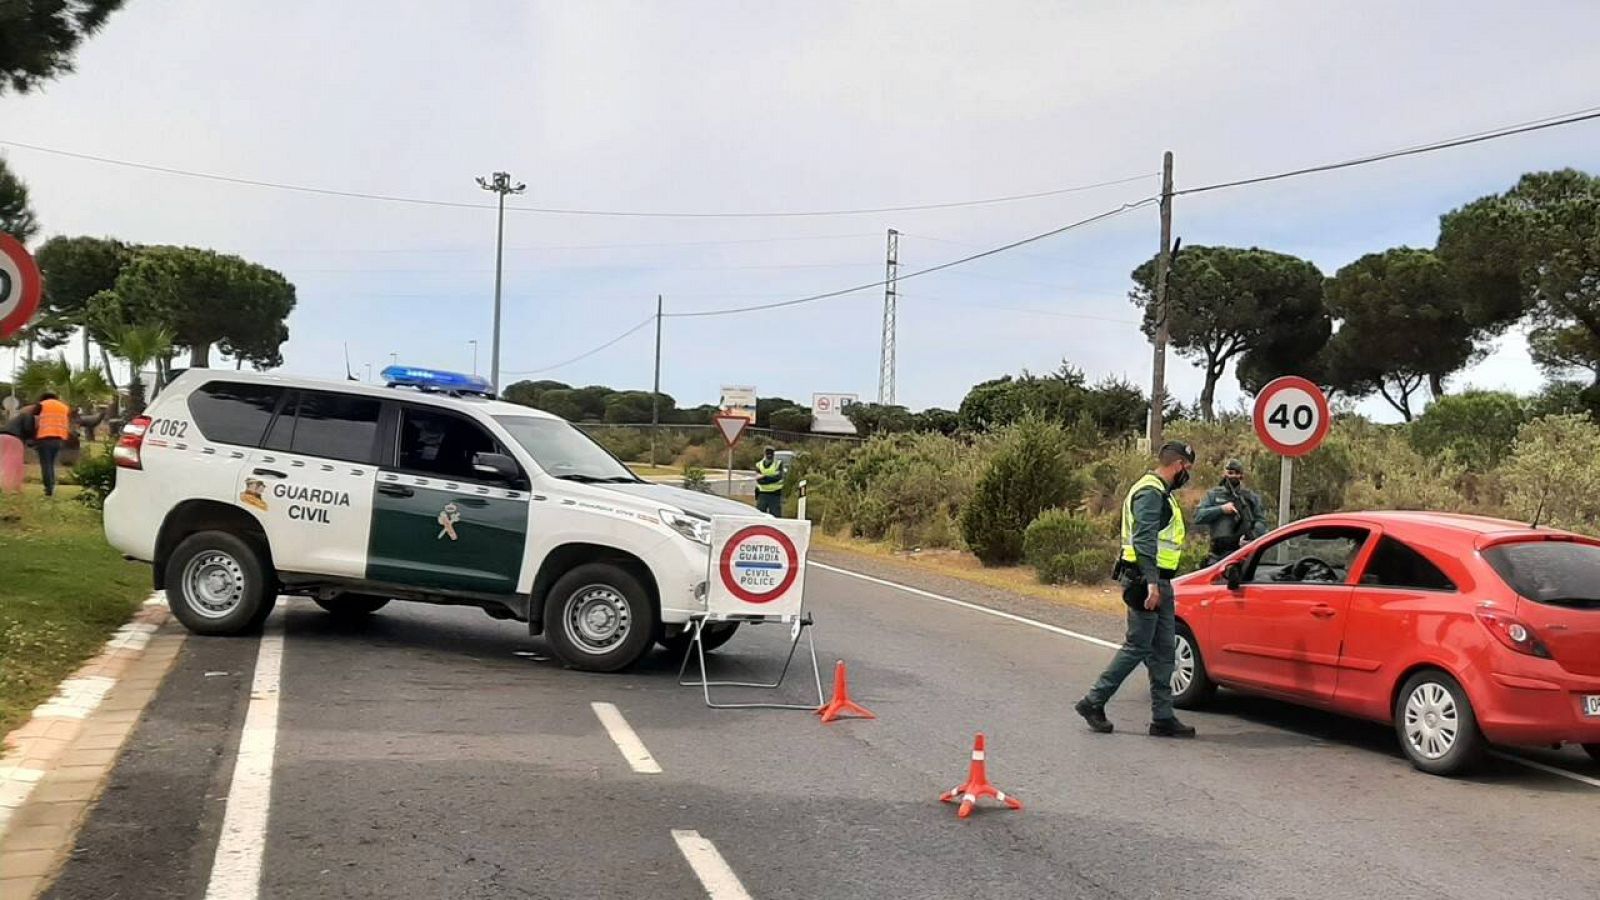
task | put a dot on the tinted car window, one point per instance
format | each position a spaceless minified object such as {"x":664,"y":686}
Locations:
{"x":437,"y":443}
{"x":328,"y":426}
{"x":1395,"y":564}
{"x":233,"y":413}
{"x":1560,"y":573}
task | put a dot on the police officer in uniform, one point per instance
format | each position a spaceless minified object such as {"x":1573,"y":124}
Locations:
{"x":1152,"y":543}
{"x":769,"y":484}
{"x":1234,"y":513}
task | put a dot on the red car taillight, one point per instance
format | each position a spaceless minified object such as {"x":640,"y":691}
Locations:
{"x":126,"y":454}
{"x":1512,"y":632}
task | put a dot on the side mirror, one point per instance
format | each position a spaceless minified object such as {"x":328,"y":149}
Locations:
{"x":1234,"y":575}
{"x":496,"y":467}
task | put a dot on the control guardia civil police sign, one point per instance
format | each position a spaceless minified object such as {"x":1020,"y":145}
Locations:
{"x":758,"y":566}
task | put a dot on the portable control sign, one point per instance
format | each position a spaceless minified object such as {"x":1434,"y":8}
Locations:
{"x":758,"y":566}
{"x":20,"y":286}
{"x":1291,"y":418}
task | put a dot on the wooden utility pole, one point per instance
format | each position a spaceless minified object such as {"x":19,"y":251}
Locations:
{"x":655,"y":395}
{"x":1158,"y":378}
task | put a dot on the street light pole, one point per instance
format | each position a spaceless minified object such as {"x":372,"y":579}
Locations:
{"x":474,"y":356}
{"x":499,"y":183}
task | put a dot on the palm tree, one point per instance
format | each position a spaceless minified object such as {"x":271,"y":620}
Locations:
{"x":140,"y":345}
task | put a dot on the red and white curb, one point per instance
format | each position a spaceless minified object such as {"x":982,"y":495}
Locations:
{"x":32,"y":751}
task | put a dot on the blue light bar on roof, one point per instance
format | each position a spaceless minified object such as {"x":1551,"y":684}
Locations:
{"x":436,"y":380}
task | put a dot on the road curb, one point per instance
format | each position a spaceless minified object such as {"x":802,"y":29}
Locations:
{"x":54,"y":766}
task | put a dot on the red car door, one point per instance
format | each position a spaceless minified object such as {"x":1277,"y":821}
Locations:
{"x":1280,"y":631}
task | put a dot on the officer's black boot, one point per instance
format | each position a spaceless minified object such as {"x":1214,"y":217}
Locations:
{"x":1095,"y":715}
{"x":1171,"y":728}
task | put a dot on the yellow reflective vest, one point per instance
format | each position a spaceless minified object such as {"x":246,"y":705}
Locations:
{"x":1169,"y":543}
{"x":767,"y":471}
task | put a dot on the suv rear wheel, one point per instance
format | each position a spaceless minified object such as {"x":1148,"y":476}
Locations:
{"x":217,"y":584}
{"x":598,"y":618}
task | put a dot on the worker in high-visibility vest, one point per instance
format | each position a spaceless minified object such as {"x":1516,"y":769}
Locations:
{"x":1152,"y":544}
{"x":54,"y":426}
{"x":769,"y":484}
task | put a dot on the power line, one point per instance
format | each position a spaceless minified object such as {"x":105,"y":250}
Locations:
{"x":586,"y":354}
{"x":1479,"y":137}
{"x":1126,"y":207}
{"x":558,"y":211}
{"x":414,"y":251}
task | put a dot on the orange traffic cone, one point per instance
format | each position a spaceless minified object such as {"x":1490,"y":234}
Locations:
{"x":977,"y":786}
{"x":841,"y":705}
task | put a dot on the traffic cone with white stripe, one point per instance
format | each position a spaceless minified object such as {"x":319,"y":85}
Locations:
{"x":977,"y":785}
{"x":841,"y":705}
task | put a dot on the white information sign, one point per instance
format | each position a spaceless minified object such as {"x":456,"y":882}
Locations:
{"x":757,"y":566}
{"x":827,"y":413}
{"x":739,"y":400}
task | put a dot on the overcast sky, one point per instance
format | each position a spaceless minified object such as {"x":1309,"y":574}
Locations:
{"x":738,"y":107}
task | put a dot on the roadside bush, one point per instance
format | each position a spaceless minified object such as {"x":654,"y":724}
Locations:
{"x":96,"y":473}
{"x":1030,"y":473}
{"x":1551,"y":472}
{"x":1475,"y":429}
{"x":694,"y":479}
{"x":1091,"y":565}
{"x":1058,"y":532}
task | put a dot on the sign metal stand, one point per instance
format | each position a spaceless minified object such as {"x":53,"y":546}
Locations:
{"x":755,"y":574}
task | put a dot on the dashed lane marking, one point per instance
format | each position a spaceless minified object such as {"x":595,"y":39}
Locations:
{"x":622,"y":734}
{"x":713,"y":871}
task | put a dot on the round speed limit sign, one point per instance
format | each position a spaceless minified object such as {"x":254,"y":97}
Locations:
{"x":1291,"y":416}
{"x":19,"y":286}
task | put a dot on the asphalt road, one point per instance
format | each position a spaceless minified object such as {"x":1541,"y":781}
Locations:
{"x":419,"y":755}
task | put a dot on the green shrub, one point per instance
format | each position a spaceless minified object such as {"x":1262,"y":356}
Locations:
{"x":96,"y":473}
{"x":1030,"y":473}
{"x":1058,"y":532}
{"x":694,"y":479}
{"x":1091,"y":565}
{"x":1551,"y":473}
{"x":1475,"y":429}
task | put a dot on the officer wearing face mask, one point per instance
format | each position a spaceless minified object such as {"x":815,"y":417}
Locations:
{"x":1234,"y":514}
{"x":1152,"y":544}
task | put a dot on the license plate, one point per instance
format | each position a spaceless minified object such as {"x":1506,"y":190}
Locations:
{"x":1591,"y":705}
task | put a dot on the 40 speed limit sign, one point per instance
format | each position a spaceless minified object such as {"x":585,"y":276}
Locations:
{"x":1291,"y":416}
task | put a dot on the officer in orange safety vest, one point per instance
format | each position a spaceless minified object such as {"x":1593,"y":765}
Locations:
{"x":54,"y":427}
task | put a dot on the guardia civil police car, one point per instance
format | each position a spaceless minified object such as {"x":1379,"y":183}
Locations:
{"x":238,"y":487}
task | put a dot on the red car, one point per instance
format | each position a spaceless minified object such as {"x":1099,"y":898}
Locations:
{"x":1461,"y":631}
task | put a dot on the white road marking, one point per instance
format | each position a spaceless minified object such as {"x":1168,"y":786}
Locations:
{"x":633,"y":749}
{"x":1543,"y":767}
{"x":1511,"y":757}
{"x":709,"y":866}
{"x":236,"y":869}
{"x":1064,"y":632}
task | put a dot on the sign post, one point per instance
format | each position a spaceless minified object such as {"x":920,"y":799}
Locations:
{"x":1291,"y":419}
{"x":732,"y":428}
{"x":20,"y":286}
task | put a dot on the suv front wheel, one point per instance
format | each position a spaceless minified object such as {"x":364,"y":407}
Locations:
{"x":216,"y":584}
{"x":598,"y":618}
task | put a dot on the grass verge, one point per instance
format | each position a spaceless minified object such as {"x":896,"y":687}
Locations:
{"x":965,"y":566}
{"x":63,"y":590}
{"x":645,"y":470}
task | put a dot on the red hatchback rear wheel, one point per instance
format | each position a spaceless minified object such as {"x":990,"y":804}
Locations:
{"x":1594,"y":751}
{"x":1437,"y":728}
